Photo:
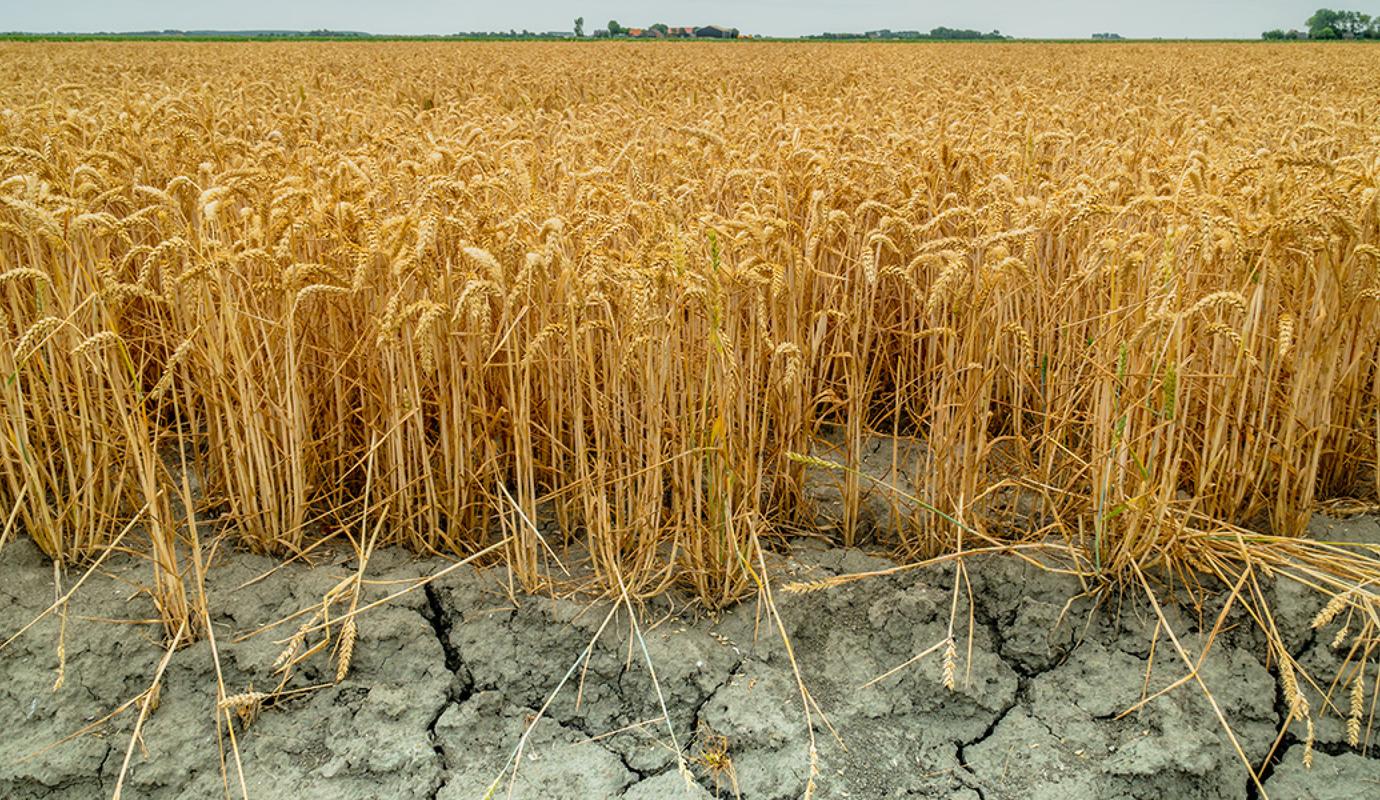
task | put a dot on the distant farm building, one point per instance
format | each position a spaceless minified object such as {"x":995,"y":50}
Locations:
{"x":716,"y":32}
{"x":680,"y":32}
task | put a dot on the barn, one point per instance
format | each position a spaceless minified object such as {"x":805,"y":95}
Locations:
{"x":716,"y":32}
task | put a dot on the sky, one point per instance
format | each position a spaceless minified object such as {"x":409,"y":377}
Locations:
{"x":1023,"y":18}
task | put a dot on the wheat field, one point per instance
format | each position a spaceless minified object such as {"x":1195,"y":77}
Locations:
{"x":610,"y":299}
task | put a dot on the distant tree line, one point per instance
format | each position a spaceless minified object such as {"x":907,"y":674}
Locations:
{"x":510,"y":34}
{"x":935,"y":33}
{"x":319,"y":33}
{"x":170,"y":33}
{"x":1329,"y":24}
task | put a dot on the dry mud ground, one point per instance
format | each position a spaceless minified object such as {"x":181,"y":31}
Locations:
{"x":444,"y":681}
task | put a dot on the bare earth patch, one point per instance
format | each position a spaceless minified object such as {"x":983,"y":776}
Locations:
{"x":446,"y":679}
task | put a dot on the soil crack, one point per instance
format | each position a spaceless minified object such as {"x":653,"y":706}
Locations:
{"x":709,"y":695}
{"x":457,"y":691}
{"x":435,"y":614}
{"x":1022,"y":687}
{"x":100,"y":771}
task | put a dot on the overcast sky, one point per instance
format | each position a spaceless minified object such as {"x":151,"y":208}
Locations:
{"x":1026,"y":18}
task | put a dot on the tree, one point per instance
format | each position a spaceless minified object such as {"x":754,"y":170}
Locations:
{"x":579,"y":26}
{"x":1353,"y":24}
{"x":1329,"y":24}
{"x":1322,"y":18}
{"x":1274,"y":34}
{"x":614,"y":28}
{"x":663,"y":27}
